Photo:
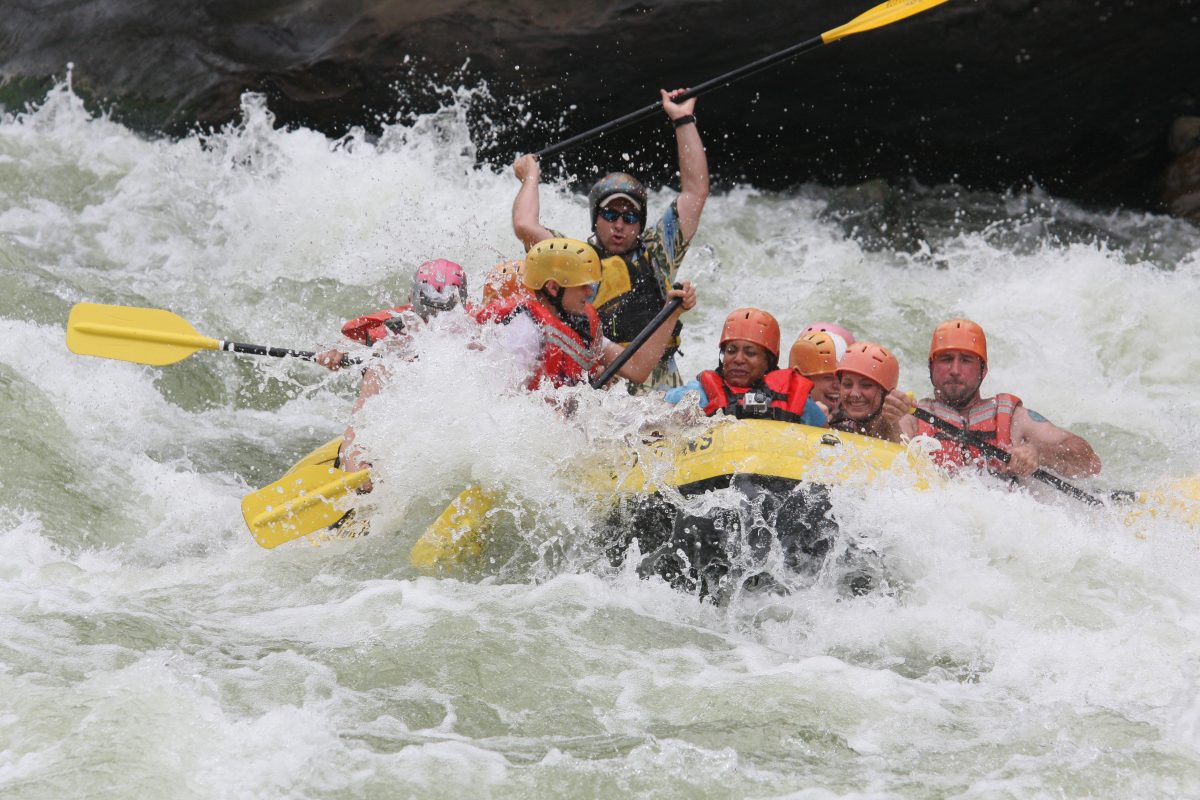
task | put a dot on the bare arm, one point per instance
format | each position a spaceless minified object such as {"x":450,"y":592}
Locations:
{"x":527,"y":205}
{"x":1037,"y":442}
{"x":693,"y":165}
{"x":352,"y":456}
{"x":639,"y":366}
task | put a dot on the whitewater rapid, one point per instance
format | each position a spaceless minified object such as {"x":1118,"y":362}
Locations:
{"x":1018,"y":646}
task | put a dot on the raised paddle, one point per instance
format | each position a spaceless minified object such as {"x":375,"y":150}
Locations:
{"x":974,"y":438}
{"x":153,"y":336}
{"x":879,"y":16}
{"x":458,"y":531}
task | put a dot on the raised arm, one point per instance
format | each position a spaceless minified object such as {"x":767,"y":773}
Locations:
{"x":693,"y":163}
{"x":527,"y":205}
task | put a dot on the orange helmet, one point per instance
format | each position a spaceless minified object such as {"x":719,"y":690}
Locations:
{"x":752,"y":325}
{"x":503,"y":281}
{"x":814,"y":354}
{"x":872,"y":361}
{"x":959,"y":334}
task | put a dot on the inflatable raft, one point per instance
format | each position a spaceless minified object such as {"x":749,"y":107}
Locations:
{"x":775,"y":505}
{"x":775,"y":477}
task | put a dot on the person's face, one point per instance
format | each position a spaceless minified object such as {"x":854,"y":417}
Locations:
{"x":744,"y":363}
{"x":826,"y":389}
{"x":861,"y":396}
{"x":618,"y":235}
{"x":956,"y":377}
{"x":575,"y":298}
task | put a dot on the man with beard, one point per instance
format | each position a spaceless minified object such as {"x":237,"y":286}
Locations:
{"x":957,"y":366}
{"x":639,"y":262}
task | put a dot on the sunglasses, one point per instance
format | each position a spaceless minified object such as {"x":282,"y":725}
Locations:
{"x":611,"y":214}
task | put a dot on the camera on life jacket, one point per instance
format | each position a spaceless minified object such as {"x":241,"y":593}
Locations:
{"x":755,"y":402}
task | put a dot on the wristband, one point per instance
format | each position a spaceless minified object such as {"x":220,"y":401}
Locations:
{"x":686,"y":119}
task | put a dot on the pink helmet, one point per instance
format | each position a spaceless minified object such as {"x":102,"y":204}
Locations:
{"x":831,"y":327}
{"x":438,"y":285}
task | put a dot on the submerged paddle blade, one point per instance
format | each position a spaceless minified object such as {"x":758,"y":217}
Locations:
{"x":880,"y":15}
{"x":299,"y":503}
{"x":1179,"y":501}
{"x":457,"y":534}
{"x":141,"y":335}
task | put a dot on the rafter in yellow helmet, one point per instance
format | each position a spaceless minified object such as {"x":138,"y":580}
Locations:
{"x":567,"y":262}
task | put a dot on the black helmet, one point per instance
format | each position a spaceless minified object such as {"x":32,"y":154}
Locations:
{"x":617,"y":183}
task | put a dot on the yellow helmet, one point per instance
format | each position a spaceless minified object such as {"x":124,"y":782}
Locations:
{"x":567,"y":262}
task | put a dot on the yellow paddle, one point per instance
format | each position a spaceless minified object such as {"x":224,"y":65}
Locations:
{"x":301,"y":502}
{"x":152,"y":336}
{"x":877,"y":17}
{"x":306,"y":500}
{"x":1178,"y":501}
{"x":457,"y":534}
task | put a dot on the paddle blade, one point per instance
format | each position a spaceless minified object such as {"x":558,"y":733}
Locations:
{"x":880,"y":15}
{"x":141,"y":335}
{"x":1179,"y":501}
{"x":299,"y":503}
{"x":457,"y":534}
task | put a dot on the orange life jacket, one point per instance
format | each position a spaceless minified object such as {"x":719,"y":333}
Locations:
{"x":567,"y":359}
{"x":781,"y":394}
{"x":989,"y":417}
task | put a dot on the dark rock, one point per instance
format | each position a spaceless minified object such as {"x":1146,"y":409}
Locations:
{"x":1184,"y":136}
{"x":1181,"y":181}
{"x":1074,"y":94}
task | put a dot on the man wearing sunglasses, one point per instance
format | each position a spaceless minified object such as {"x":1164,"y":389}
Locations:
{"x":638,"y":264}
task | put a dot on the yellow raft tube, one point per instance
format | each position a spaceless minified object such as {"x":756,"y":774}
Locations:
{"x":777,"y":456}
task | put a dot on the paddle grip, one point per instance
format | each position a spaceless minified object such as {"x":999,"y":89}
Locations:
{"x":638,"y":341}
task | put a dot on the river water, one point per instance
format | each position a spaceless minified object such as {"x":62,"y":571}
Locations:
{"x":1015,"y":646}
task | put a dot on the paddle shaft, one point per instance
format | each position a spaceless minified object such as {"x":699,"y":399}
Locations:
{"x":277,"y":352}
{"x":638,"y":341}
{"x":974,"y":438}
{"x":716,"y":83}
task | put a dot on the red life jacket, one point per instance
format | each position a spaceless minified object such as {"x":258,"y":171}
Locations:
{"x":497,"y":310}
{"x":566,"y":358}
{"x":780,"y":394}
{"x":990,"y":417}
{"x":372,"y":328}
